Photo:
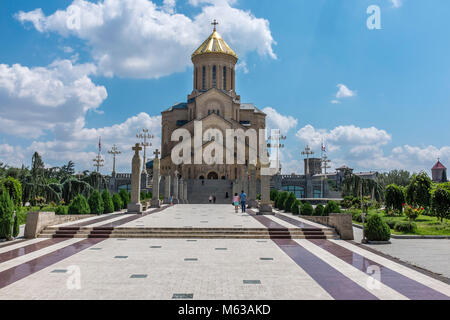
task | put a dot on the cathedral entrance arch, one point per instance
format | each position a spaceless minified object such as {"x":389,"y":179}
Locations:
{"x":213,"y":176}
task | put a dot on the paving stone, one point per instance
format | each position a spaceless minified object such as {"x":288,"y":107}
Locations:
{"x":191,"y":259}
{"x":266,"y":259}
{"x":121,"y":257}
{"x":183,"y":296}
{"x":59,"y":271}
{"x":252,"y":281}
{"x":138,"y":276}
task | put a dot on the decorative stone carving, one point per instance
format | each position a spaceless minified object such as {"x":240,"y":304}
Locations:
{"x":135,"y":205}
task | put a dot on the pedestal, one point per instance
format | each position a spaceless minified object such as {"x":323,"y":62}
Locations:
{"x":135,"y":208}
{"x":155,"y":204}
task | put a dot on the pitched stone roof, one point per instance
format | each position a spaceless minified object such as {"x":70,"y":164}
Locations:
{"x":438,"y":166}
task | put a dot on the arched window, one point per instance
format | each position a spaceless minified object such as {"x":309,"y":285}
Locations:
{"x":232,"y":79}
{"x":204,"y":78}
{"x":214,"y":77}
{"x":224,"y":78}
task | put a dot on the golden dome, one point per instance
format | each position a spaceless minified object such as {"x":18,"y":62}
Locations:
{"x":214,"y":44}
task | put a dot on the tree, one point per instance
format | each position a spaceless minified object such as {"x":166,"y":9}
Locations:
{"x":273,"y":194}
{"x":418,"y":192}
{"x":394,"y":197}
{"x":279,"y":202}
{"x":397,"y":177}
{"x":295,"y":208}
{"x":95,"y":202}
{"x":353,"y":185}
{"x":107,"y":202}
{"x":14,"y":188}
{"x":440,"y":202}
{"x":6,"y":215}
{"x":79,"y":205}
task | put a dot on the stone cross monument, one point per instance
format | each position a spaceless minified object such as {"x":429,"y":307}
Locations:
{"x":135,"y":205}
{"x":155,"y":189}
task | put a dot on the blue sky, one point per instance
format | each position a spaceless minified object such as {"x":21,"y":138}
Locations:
{"x":379,"y":98}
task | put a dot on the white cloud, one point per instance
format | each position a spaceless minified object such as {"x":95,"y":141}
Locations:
{"x":343,"y":136}
{"x":344,"y":92}
{"x":139,"y":39}
{"x":34,"y":100}
{"x":80,"y":144}
{"x":11,"y":155}
{"x":276,"y":120}
{"x":335,"y":101}
{"x":396,"y":3}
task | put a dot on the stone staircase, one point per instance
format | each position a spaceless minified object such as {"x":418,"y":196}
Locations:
{"x":199,"y":193}
{"x":188,"y":233}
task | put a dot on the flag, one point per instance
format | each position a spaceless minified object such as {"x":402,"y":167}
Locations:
{"x":324,"y":148}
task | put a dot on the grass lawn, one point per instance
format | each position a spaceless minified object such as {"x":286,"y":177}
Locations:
{"x":426,"y":225}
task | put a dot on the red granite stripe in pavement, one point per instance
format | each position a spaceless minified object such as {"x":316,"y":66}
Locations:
{"x":330,"y":279}
{"x":101,"y":219}
{"x":8,"y":255}
{"x":23,"y":270}
{"x":11,"y":243}
{"x":402,"y":284}
{"x":130,"y":218}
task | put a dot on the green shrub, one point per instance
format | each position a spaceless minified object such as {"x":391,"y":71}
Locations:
{"x":117,"y":201}
{"x":79,"y":205}
{"x":440,"y":201}
{"x":14,"y":188}
{"x":279,"y":202}
{"x":6,"y":215}
{"x":347,"y":202}
{"x":331,"y":207}
{"x":62,"y":210}
{"x":125,"y":198}
{"x":295,"y":208}
{"x":108,"y":205}
{"x":16,"y":227}
{"x":273,"y":194}
{"x":96,"y":203}
{"x":319,"y":210}
{"x":390,"y":223}
{"x":403,"y":226}
{"x":357,"y":216}
{"x":307,"y":209}
{"x":289,"y":201}
{"x":376,"y":229}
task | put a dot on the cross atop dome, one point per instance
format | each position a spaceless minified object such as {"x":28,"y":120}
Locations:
{"x":214,"y":23}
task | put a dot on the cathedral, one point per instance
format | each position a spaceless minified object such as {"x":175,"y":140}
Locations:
{"x":216,"y":104}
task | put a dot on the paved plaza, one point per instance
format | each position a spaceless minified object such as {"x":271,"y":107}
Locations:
{"x":198,"y":268}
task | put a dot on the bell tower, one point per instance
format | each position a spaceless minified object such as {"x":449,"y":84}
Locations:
{"x":214,"y":65}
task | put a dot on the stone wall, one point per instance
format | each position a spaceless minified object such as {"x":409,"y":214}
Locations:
{"x":38,"y":221}
{"x":342,"y":222}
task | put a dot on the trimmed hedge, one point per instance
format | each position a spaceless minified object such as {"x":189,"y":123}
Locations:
{"x":279,"y":202}
{"x":79,"y":205}
{"x":295,"y":208}
{"x":290,"y":200}
{"x":62,"y":210}
{"x":403,"y":226}
{"x":376,"y":229}
{"x":307,"y":209}
{"x":331,"y":207}
{"x":319,"y":210}
{"x":117,"y":202}
{"x":125,"y":198}
{"x":96,"y":203}
{"x":108,"y":205}
{"x":14,"y":188}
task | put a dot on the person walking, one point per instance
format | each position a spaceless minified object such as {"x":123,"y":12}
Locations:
{"x":243,"y":198}
{"x":236,"y":202}
{"x":171,"y":200}
{"x":214,"y":199}
{"x":210,"y":199}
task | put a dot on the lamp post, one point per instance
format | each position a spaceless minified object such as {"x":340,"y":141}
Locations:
{"x":114,"y":151}
{"x":145,"y":136}
{"x":325,"y":166}
{"x":274,"y":142}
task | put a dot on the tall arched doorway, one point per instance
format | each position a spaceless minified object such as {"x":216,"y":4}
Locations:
{"x":213,"y":176}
